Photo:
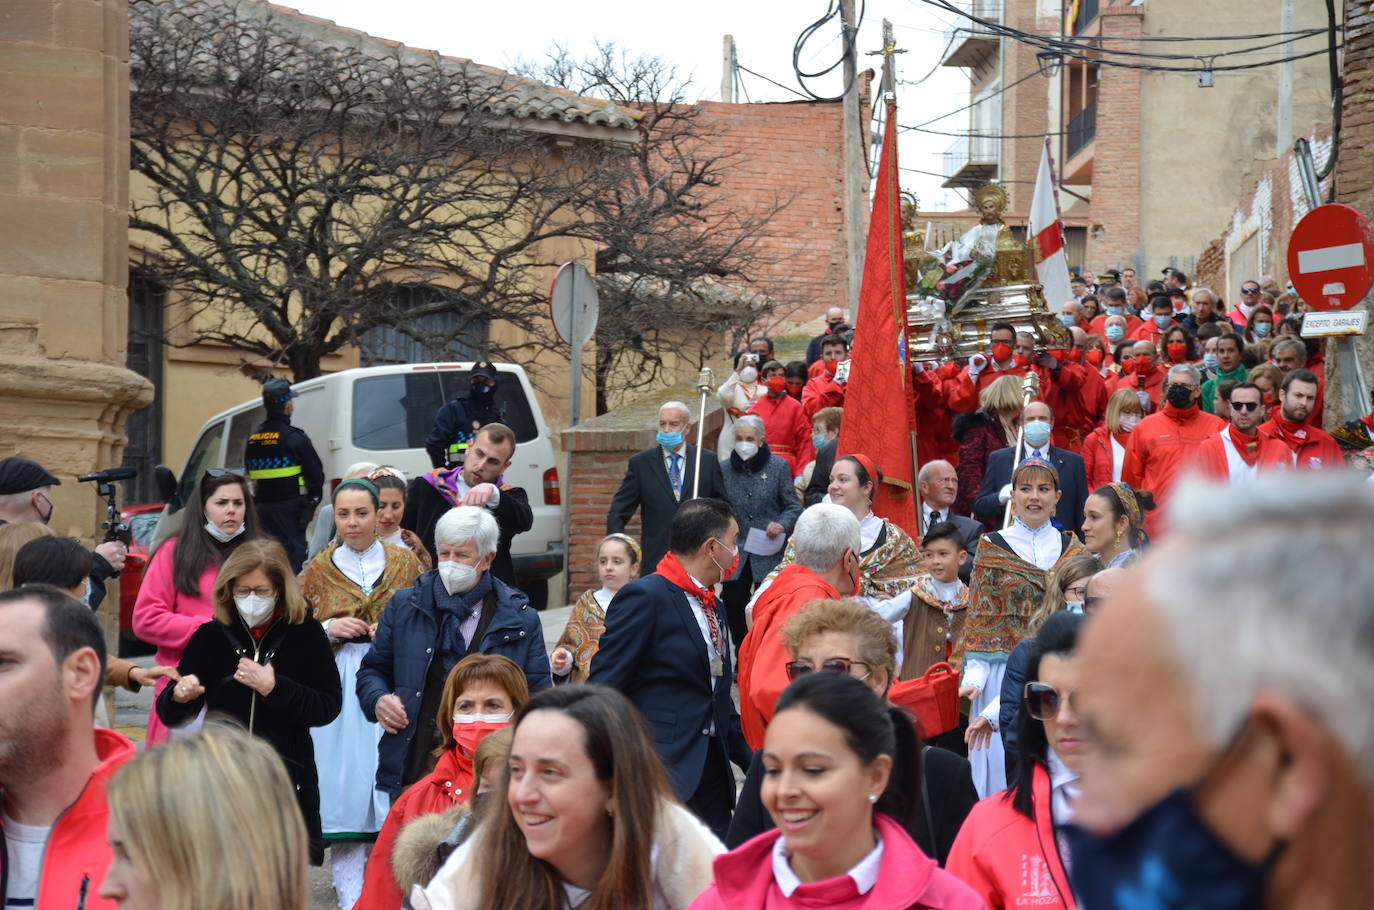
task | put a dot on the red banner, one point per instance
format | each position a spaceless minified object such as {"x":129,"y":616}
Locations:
{"x":879,"y":418}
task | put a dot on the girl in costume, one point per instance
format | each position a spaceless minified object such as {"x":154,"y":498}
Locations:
{"x":1010,"y":574}
{"x":347,"y":585}
{"x":617,"y":563}
{"x":391,"y":492}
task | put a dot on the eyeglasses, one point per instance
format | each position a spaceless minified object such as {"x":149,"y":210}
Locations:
{"x":1245,"y":405}
{"x":1076,"y":591}
{"x":843,"y":665}
{"x":265,"y":591}
{"x":1249,"y":290}
{"x":1042,"y":700}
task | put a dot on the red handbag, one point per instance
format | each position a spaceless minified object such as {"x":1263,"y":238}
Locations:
{"x":933,"y":698}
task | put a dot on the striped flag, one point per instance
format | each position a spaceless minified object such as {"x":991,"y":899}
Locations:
{"x":1051,"y":263}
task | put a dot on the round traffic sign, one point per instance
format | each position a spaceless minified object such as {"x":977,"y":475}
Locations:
{"x":1331,"y":257}
{"x":573,"y":303}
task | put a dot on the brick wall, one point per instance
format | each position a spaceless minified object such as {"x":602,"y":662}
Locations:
{"x":789,"y":150}
{"x":1114,"y":240}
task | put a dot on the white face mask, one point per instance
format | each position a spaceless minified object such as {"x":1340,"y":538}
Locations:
{"x":457,"y":576}
{"x":213,"y":530}
{"x":746,"y":450}
{"x":254,"y":608}
{"x":1128,"y":422}
{"x":748,"y":374}
{"x":460,"y":719}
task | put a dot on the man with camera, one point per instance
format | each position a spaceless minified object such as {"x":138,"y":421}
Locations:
{"x":25,"y":496}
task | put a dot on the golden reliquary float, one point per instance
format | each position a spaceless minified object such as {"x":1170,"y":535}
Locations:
{"x":986,"y":276}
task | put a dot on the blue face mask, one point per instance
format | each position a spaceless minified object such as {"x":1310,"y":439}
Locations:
{"x":669,"y":440}
{"x":1116,"y":311}
{"x":1262,"y":328}
{"x":1167,"y":859}
{"x":1115,"y":333}
{"x":1074,"y":606}
{"x":1211,"y":361}
{"x":1162,"y":320}
{"x":1037,"y":433}
{"x":1067,"y":320}
{"x":818,"y":440}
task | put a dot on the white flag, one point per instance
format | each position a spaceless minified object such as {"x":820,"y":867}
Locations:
{"x":1051,"y":266}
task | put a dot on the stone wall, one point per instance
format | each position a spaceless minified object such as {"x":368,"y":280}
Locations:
{"x":64,"y":168}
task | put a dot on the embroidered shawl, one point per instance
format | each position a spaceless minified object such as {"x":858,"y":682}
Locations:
{"x":330,"y":593}
{"x":1004,"y":592}
{"x":888,"y":569}
{"x":582,"y":635}
{"x":926,"y":625}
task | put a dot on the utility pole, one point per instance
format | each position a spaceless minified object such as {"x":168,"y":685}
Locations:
{"x":887,"y":82}
{"x":727,"y":70}
{"x":855,"y":168}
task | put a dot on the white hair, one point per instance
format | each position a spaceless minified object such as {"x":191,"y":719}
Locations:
{"x":467,"y":523}
{"x":1193,"y":372}
{"x":823,"y":533}
{"x":924,"y":474}
{"x":360,"y":469}
{"x":1208,"y":291}
{"x":675,"y":406}
{"x":751,"y":420}
{"x":1290,"y":609}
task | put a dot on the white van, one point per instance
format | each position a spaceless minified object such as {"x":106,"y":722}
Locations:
{"x":383,"y":414}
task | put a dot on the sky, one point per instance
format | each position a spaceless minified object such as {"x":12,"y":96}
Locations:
{"x":690,"y":35}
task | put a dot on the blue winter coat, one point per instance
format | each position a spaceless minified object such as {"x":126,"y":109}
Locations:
{"x":407,"y":636}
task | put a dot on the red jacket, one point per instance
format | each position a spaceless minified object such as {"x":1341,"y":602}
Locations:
{"x":1154,"y":383}
{"x":1305,"y":448}
{"x":907,"y":880}
{"x":1098,"y":458}
{"x":1214,"y":462}
{"x":1079,"y":399}
{"x":934,"y":420}
{"x":1162,"y":446}
{"x":445,"y":786}
{"x":1009,"y":860}
{"x":821,"y":392}
{"x":786,"y":429}
{"x":763,"y":654}
{"x":1148,"y":331}
{"x":963,"y":391}
{"x":77,"y":854}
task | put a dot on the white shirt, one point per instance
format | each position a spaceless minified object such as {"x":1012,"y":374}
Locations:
{"x":1118,"y":459}
{"x":1040,"y":547}
{"x":869,"y":529}
{"x":946,"y":590}
{"x":603,"y":597}
{"x":864,"y":872}
{"x":363,"y":569}
{"x":1064,"y":788}
{"x":395,"y":539}
{"x":463,"y":490}
{"x":925,"y":516}
{"x":24,"y":845}
{"x":699,"y":614}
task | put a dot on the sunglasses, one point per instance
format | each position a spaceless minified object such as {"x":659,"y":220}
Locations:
{"x":843,"y":665}
{"x":1245,"y":405}
{"x":1249,"y":290}
{"x":1042,"y":700}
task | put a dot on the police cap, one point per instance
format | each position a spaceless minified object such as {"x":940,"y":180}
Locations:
{"x":277,"y":392}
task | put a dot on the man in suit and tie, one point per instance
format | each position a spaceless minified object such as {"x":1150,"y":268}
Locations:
{"x":939,"y":486}
{"x":657,"y":479}
{"x":1037,"y":421}
{"x":666,"y":647}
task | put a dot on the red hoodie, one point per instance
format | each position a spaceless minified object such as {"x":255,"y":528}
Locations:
{"x":1300,"y":446}
{"x":907,"y":880}
{"x":1162,"y":447}
{"x":77,"y":854}
{"x":1009,"y":860}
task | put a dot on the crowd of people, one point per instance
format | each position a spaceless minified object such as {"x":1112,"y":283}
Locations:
{"x":1119,"y":657}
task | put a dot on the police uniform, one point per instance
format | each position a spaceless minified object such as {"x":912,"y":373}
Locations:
{"x":457,"y":423}
{"x":287,"y":476}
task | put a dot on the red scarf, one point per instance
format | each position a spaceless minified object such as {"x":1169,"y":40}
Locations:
{"x":1247,"y":447}
{"x":1294,"y":435}
{"x":676,"y":573}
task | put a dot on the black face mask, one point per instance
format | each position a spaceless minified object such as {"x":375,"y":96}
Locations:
{"x":481,"y":393}
{"x":1180,"y":396}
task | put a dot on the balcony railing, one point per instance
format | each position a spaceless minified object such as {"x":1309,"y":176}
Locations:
{"x":969,"y":42}
{"x":1082,"y":129}
{"x":970,"y":161}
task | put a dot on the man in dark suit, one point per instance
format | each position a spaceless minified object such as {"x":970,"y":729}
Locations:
{"x":666,"y":647}
{"x":657,"y":479}
{"x":939,"y":486}
{"x":1037,"y":420}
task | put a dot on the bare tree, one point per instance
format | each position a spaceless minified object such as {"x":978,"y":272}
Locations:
{"x":300,"y":192}
{"x":676,"y":251}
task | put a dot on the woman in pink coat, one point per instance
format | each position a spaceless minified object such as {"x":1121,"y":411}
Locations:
{"x":176,"y":597}
{"x":839,"y":766}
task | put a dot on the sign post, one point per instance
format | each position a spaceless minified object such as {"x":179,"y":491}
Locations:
{"x":1331,"y":265}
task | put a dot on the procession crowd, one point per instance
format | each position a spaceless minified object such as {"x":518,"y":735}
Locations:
{"x":1120,"y":656}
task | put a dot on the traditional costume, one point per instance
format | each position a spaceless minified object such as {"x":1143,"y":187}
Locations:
{"x":933,"y":624}
{"x":582,"y":635}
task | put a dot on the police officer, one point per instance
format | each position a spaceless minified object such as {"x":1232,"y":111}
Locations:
{"x":287,"y":476}
{"x":456,"y":423}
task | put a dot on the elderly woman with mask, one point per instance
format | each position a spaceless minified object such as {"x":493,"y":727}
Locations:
{"x":455,"y":609}
{"x":758,"y":486}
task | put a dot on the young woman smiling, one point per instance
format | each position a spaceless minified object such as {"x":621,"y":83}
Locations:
{"x":839,"y":764}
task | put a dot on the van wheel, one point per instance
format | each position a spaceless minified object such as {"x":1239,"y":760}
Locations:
{"x":537,"y":590}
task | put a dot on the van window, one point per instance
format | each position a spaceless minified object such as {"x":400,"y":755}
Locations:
{"x":241,"y":426}
{"x":397,"y":411}
{"x":206,"y":453}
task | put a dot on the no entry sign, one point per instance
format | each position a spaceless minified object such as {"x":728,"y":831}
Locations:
{"x":1331,"y":257}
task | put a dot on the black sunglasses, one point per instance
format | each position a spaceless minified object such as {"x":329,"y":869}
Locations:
{"x":1245,"y":405}
{"x":1042,"y":700}
{"x":1249,"y":290}
{"x":843,"y":665}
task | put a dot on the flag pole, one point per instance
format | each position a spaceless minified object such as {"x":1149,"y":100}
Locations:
{"x":1054,"y":179}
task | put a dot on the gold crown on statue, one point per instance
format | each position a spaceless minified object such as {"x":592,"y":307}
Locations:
{"x":993,"y":190}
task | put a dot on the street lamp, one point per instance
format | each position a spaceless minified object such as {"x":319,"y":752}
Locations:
{"x":1049,"y":62}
